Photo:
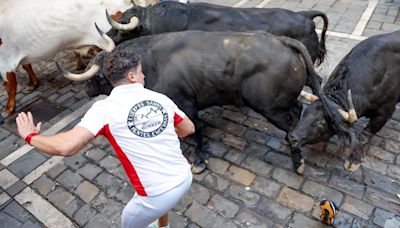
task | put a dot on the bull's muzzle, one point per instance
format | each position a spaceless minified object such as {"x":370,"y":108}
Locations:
{"x":294,"y":140}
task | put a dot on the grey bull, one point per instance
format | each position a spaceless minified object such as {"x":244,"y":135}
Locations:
{"x":174,"y":16}
{"x":202,"y":69}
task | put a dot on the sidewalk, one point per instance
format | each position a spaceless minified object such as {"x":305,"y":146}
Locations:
{"x":249,"y":181}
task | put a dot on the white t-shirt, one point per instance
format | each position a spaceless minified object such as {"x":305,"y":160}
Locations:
{"x":139,"y":123}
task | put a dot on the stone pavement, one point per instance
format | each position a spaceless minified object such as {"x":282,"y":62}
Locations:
{"x":249,"y":181}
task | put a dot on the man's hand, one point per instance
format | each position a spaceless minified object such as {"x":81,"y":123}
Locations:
{"x":25,"y":124}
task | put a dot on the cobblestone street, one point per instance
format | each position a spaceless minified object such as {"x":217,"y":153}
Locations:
{"x":249,"y":181}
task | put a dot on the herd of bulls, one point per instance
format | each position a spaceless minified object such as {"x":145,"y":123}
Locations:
{"x":202,"y":55}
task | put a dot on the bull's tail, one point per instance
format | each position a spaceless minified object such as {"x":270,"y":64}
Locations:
{"x":313,"y":79}
{"x":321,"y":50}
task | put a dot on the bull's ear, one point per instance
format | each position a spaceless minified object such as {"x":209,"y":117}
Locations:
{"x":308,"y":96}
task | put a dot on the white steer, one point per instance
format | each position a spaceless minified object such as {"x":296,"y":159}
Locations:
{"x":32,"y":31}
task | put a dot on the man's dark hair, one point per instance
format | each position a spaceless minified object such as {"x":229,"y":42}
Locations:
{"x":118,"y":63}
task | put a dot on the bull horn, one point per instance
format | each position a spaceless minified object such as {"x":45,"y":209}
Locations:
{"x":111,"y":44}
{"x":78,"y":77}
{"x":351,"y":115}
{"x":134,"y":21}
{"x":308,"y":96}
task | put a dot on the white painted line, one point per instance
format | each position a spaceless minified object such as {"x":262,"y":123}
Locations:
{"x":7,"y":179}
{"x":357,"y":37}
{"x":54,"y":129}
{"x":35,"y":174}
{"x":4,"y":197}
{"x":362,"y":23}
{"x":262,"y":4}
{"x":343,"y":35}
{"x":240,"y":3}
{"x":43,"y":210}
{"x":16,"y":154}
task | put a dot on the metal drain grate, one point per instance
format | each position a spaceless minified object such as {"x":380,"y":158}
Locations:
{"x":42,"y":111}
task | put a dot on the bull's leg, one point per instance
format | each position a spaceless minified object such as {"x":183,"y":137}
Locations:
{"x":11,"y":87}
{"x":33,"y":81}
{"x":380,"y":117}
{"x":285,"y":120}
{"x":200,"y":162}
{"x":298,"y":160}
{"x":295,"y":154}
{"x":280,"y":109}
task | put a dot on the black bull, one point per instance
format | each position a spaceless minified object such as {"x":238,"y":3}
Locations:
{"x":174,"y":16}
{"x":200,"y":69}
{"x":371,"y":71}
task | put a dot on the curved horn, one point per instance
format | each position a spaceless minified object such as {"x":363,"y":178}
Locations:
{"x":78,"y":77}
{"x":351,"y":115}
{"x":134,"y":21}
{"x":111,"y":44}
{"x":133,"y":2}
{"x":308,"y":96}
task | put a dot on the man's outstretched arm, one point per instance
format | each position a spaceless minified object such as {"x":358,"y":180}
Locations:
{"x":64,"y":144}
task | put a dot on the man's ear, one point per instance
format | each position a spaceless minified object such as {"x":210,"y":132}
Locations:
{"x":131,"y":77}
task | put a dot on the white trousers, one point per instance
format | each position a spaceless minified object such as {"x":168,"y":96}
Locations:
{"x":141,"y":211}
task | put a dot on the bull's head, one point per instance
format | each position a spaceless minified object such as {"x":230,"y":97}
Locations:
{"x":315,"y":125}
{"x":169,"y":16}
{"x":129,"y":25}
{"x":312,"y":127}
{"x":133,"y":22}
{"x":96,"y":82}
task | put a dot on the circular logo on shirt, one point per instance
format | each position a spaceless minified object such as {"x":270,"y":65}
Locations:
{"x":147,"y":119}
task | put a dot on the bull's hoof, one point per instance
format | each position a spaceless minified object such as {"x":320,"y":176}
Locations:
{"x":197,"y":169}
{"x":350,"y":166}
{"x":31,"y":87}
{"x":6,"y":113}
{"x":300,"y":169}
{"x":1,"y":119}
